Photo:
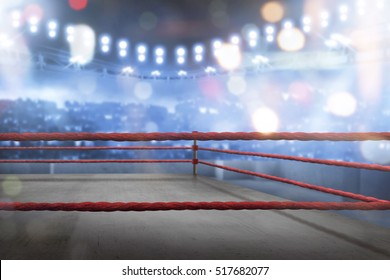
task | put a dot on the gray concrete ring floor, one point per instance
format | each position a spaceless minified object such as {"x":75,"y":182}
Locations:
{"x":286,"y":234}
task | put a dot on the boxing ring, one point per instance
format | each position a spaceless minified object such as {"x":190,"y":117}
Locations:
{"x":149,"y":224}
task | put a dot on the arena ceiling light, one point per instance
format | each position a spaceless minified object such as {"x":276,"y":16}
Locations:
{"x":69,"y":30}
{"x":142,"y":50}
{"x":306,"y":24}
{"x":235,"y":39}
{"x":33,"y":24}
{"x":105,"y":43}
{"x":181,"y":54}
{"x":52,"y":27}
{"x":253,"y":37}
{"x":198,"y":52}
{"x":216,"y":46}
{"x":343,"y":12}
{"x":16,"y":18}
{"x":270,"y":33}
{"x":123,"y":46}
{"x":324,"y":18}
{"x":159,"y":55}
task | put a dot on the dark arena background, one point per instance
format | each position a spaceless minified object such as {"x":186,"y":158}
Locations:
{"x":187,"y":129}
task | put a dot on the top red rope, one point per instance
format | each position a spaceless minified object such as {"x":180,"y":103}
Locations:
{"x":202,"y":136}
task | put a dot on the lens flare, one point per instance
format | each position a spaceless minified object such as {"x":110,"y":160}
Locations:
{"x":236,"y":85}
{"x":265,"y":120}
{"x":291,"y":39}
{"x":12,"y":186}
{"x":229,"y":56}
{"x":78,"y":5}
{"x":376,"y":151}
{"x":82,"y":47}
{"x":143,"y":90}
{"x":341,"y":104}
{"x":272,"y":11}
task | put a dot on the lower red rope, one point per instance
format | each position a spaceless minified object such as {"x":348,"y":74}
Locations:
{"x":166,"y":206}
{"x":297,"y":183}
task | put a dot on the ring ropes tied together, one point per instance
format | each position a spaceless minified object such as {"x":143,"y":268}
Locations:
{"x":370,"y":203}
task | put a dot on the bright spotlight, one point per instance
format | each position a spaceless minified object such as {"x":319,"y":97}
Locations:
{"x":122,"y":53}
{"x":198,"y":58}
{"x":288,"y":24}
{"x":270,"y":30}
{"x":52,"y":25}
{"x":33,"y":20}
{"x":217,"y":44}
{"x":180,"y":51}
{"x":141,"y":58}
{"x":198,"y":49}
{"x":70,"y":29}
{"x":16,"y":15}
{"x":324,"y":15}
{"x":122,"y":44}
{"x":141,"y":49}
{"x":105,"y":48}
{"x":159,"y":51}
{"x":270,"y":38}
{"x":306,"y":20}
{"x":52,"y":34}
{"x":33,"y":29}
{"x":180,"y":60}
{"x":105,"y":40}
{"x":235,"y":39}
{"x":253,"y":34}
{"x":159,"y":60}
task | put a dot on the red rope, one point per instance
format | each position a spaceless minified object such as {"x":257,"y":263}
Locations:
{"x":96,"y":148}
{"x":165,"y":206}
{"x":297,"y":183}
{"x":204,"y":136}
{"x":303,"y":159}
{"x":94,"y":161}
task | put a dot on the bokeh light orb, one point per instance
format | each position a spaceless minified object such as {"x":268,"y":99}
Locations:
{"x":291,"y":39}
{"x":236,"y":85}
{"x":148,"y":21}
{"x":265,"y":120}
{"x":229,"y":56}
{"x":376,"y":151}
{"x":82,"y":45}
{"x":143,"y":90}
{"x":12,"y":186}
{"x":33,"y":11}
{"x":341,"y":104}
{"x":301,"y":92}
{"x":272,"y":11}
{"x":78,"y":5}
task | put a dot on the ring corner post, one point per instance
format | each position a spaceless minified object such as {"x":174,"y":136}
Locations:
{"x":195,"y":157}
